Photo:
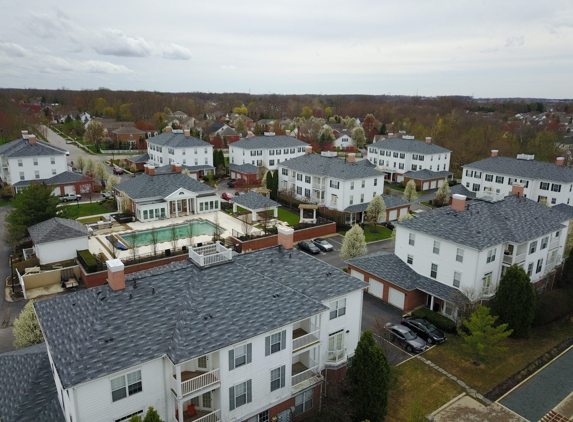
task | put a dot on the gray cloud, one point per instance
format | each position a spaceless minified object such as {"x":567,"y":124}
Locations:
{"x":113,"y":42}
{"x":12,"y":50}
{"x":514,"y":41}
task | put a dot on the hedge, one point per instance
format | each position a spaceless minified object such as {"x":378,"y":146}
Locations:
{"x":552,"y":305}
{"x":29,"y":263}
{"x":438,"y":320}
{"x":88,"y":260}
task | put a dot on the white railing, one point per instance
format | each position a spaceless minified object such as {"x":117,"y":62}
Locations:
{"x":200,"y":382}
{"x":211,"y":417}
{"x":210,"y":254}
{"x":320,"y":186}
{"x":307,"y":339}
{"x":510,"y":259}
{"x":335,"y":355}
{"x":554,"y":244}
{"x":305,"y":375}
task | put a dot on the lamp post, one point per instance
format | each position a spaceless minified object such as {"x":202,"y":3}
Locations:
{"x":12,"y":272}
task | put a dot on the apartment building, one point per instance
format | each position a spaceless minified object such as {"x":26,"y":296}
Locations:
{"x":267,"y":151}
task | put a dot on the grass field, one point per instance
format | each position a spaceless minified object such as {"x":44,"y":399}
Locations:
{"x":374,"y":233}
{"x":84,"y":210}
{"x":4,"y":202}
{"x":288,"y":217}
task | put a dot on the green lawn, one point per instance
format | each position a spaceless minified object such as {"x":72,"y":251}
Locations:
{"x":84,"y":210}
{"x":288,"y":217}
{"x":397,"y":187}
{"x":427,"y":204}
{"x":4,"y":202}
{"x":373,"y":233}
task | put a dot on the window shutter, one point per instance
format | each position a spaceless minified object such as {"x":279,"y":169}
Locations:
{"x":231,"y":359}
{"x":249,"y":352}
{"x":249,"y":392}
{"x":267,"y":345}
{"x":283,"y":340}
{"x":282,"y":376}
{"x":232,"y":398}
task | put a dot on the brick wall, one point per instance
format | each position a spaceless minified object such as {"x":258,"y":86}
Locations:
{"x":255,"y":244}
{"x":313,"y":232}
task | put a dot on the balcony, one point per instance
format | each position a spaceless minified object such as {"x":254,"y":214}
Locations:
{"x":304,"y":376}
{"x":201,"y":416}
{"x":195,"y":381}
{"x":318,"y":186}
{"x":510,"y":259}
{"x":205,"y":256}
{"x":554,"y":244}
{"x":336,"y":357}
{"x":303,"y":338}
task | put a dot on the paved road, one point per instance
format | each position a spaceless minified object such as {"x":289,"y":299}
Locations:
{"x":333,"y":257}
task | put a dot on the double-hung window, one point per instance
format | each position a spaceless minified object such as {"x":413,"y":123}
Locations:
{"x":275,"y":343}
{"x":544,"y":242}
{"x":261,"y":417}
{"x":299,"y":177}
{"x":489,"y":177}
{"x":126,"y":385}
{"x":412,"y":239}
{"x":278,"y":378}
{"x":460,"y":255}
{"x":499,"y":179}
{"x":533,"y":247}
{"x":303,"y":402}
{"x":544,"y":185}
{"x":337,"y":308}
{"x":457,"y":279}
{"x":334,"y":184}
{"x":306,"y":179}
{"x":486,"y":285}
{"x":410,"y":259}
{"x":555,"y":187}
{"x":285,"y":172}
{"x":539,"y":266}
{"x":436,"y":247}
{"x":240,"y":356}
{"x":240,"y":394}
{"x":434,"y":271}
{"x":491,"y":255}
{"x":35,"y":161}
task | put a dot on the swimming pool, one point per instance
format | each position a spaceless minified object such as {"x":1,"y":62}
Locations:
{"x":166,"y":234}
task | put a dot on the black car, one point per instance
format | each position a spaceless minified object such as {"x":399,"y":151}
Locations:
{"x":309,"y":247}
{"x":322,"y":244}
{"x":390,"y":225}
{"x":230,"y":183}
{"x":425,"y":329}
{"x":406,"y":338}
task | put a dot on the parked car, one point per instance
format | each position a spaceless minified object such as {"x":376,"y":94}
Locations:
{"x":406,"y":338}
{"x":68,"y":141}
{"x":70,"y":197}
{"x":239,"y":193}
{"x":230,"y":183}
{"x":323,"y":245}
{"x":117,"y":170}
{"x":107,"y":195}
{"x":309,"y":247}
{"x":425,"y":329}
{"x":227,"y":196}
{"x":389,"y":224}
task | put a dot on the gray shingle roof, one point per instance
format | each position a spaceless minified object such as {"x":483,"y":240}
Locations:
{"x":389,"y":267}
{"x":426,"y":174}
{"x":167,"y":168}
{"x":193,"y":311}
{"x":56,"y":229}
{"x":462,"y":190}
{"x":409,"y":145}
{"x":65,"y":177}
{"x":177,"y":140}
{"x":27,"y":388}
{"x":22,"y":148}
{"x":390,"y":201}
{"x":527,"y":169}
{"x":485,"y":224}
{"x":160,"y":185}
{"x":337,"y":168}
{"x":567,"y":210}
{"x":244,"y":168}
{"x":260,"y":142}
{"x":143,"y":158}
{"x":255,"y":201}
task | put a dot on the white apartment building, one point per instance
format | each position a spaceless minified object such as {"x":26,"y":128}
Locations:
{"x":397,"y":156}
{"x":329,"y":181}
{"x":179,"y":147}
{"x":250,"y":338}
{"x":495,"y":176}
{"x":28,"y":159}
{"x":267,"y":151}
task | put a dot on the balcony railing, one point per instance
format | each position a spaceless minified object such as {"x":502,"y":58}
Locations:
{"x":210,"y":254}
{"x":307,"y":377}
{"x":335,"y":356}
{"x":554,"y":244}
{"x":196,"y":383}
{"x":214,"y":416}
{"x":304,"y":339}
{"x":319,"y":186}
{"x":510,"y":259}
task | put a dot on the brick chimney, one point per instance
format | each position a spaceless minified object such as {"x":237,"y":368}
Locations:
{"x":168,"y":129}
{"x":177,"y":167}
{"x":25,"y":134}
{"x":518,"y":189}
{"x":351,"y":157}
{"x":494,"y":152}
{"x":145,"y":169}
{"x":285,"y":236}
{"x":151,"y":170}
{"x":428,"y":139}
{"x":287,"y":132}
{"x":187,"y":132}
{"x":308,"y":150}
{"x":390,"y":135}
{"x":559,"y":161}
{"x":115,"y":274}
{"x":172,"y":166}
{"x":32,"y":139}
{"x":458,"y":202}
{"x":250,"y":134}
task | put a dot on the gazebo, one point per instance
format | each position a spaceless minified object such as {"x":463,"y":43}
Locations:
{"x":312,"y":207}
{"x":255,"y":202}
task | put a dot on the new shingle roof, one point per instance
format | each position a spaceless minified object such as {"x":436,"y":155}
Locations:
{"x":28,"y":392}
{"x":56,"y":229}
{"x":389,"y":267}
{"x":130,"y":130}
{"x":527,"y":169}
{"x":409,"y":145}
{"x":426,"y":174}
{"x":66,"y":177}
{"x":244,"y":168}
{"x":269,"y":142}
{"x":390,"y":201}
{"x":160,"y":185}
{"x":485,"y":224}
{"x":183,"y":311}
{"x":23,"y":148}
{"x":177,"y":140}
{"x":255,"y":201}
{"x":337,"y":168}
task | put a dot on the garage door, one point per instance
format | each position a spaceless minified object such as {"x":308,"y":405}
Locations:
{"x":425,"y":186}
{"x":403,"y":212}
{"x":396,"y":298}
{"x":440,"y":183}
{"x":357,"y":274}
{"x":433,"y":185}
{"x":393,"y":215}
{"x":376,"y":288}
{"x":70,"y":189}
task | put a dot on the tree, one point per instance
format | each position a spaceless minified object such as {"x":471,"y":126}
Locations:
{"x":95,"y":134}
{"x":410,"y":193}
{"x":34,"y":204}
{"x":80,"y":163}
{"x":111,"y":182}
{"x":349,"y":122}
{"x":240,"y":125}
{"x":567,"y":273}
{"x":354,"y":244}
{"x":100,"y":172}
{"x":443,"y":194}
{"x":306,"y":112}
{"x":515,"y":301}
{"x":326,"y":136}
{"x":26,"y":328}
{"x":359,"y":137}
{"x":483,"y":337}
{"x":152,"y":415}
{"x":89,"y":167}
{"x":376,"y":210}
{"x":369,"y":380}
{"x":383,"y":130}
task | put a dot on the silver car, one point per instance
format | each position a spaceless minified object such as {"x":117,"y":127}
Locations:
{"x":408,"y":339}
{"x":322,"y":244}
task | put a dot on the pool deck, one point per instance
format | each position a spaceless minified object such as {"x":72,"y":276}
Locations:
{"x":98,"y":242}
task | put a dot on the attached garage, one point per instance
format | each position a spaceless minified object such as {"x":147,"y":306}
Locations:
{"x":396,"y":298}
{"x":433,"y":184}
{"x":392,"y":215}
{"x":403,"y":212}
{"x":70,"y":189}
{"x":426,"y":186}
{"x":357,"y":274}
{"x":376,"y":288}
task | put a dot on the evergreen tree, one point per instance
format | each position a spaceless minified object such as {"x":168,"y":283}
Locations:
{"x":567,"y":274}
{"x":152,"y":415}
{"x":270,"y":182}
{"x":368,"y":380}
{"x":26,"y":328}
{"x":515,"y":301}
{"x":376,"y":210}
{"x":383,"y":130}
{"x":275,"y":192}
{"x":354,"y":244}
{"x":222,"y":158}
{"x":410,"y":193}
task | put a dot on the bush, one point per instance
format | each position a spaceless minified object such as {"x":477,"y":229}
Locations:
{"x":6,"y":193}
{"x":440,"y":321}
{"x":553,"y":305}
{"x":387,"y":191}
{"x":29,"y":263}
{"x":88,"y":260}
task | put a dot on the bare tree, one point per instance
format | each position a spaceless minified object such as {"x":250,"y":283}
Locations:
{"x":112,"y":241}
{"x":246,"y":225}
{"x":217,"y":232}
{"x":154,"y":240}
{"x":133,"y":250}
{"x":173,"y":230}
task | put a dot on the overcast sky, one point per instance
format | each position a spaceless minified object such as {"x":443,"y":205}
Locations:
{"x":482,"y":48}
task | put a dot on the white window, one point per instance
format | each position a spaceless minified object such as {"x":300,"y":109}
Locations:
{"x":486,"y":285}
{"x":35,"y":161}
{"x":434,"y":271}
{"x":53,"y":172}
{"x":261,"y":417}
{"x":20,"y":164}
{"x":240,"y":356}
{"x":363,"y":183}
{"x":126,"y":385}
{"x":361,"y":198}
{"x":299,"y":190}
{"x":410,"y":259}
{"x":275,"y":342}
{"x":491,"y":255}
{"x":334,"y":184}
{"x":333,"y":199}
{"x":530,"y":269}
{"x":436,"y":247}
{"x":337,"y":308}
{"x":196,"y":161}
{"x":335,"y":346}
{"x":351,"y":185}
{"x":351,"y":199}
{"x":533,"y":247}
{"x":306,"y":179}
{"x":544,"y":242}
{"x":52,"y":160}
{"x":271,"y":162}
{"x":37,"y":174}
{"x":412,"y":239}
{"x":240,"y":394}
{"x":375,"y":182}
{"x":544,"y":185}
{"x":460,"y":255}
{"x":278,"y":378}
{"x":539,"y":266}
{"x":21,"y":175}
{"x":457,"y":279}
{"x":299,"y":177}
{"x":499,"y":179}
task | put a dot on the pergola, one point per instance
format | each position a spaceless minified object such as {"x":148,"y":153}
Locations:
{"x":312,"y":207}
{"x":255,"y":202}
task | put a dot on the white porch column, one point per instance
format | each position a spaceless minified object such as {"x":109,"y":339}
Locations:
{"x":234,"y":208}
{"x":276,"y":212}
{"x":177,"y":207}
{"x":253,"y":215}
{"x":314,"y":214}
{"x":188,"y":205}
{"x":432,"y":303}
{"x":180,"y":412}
{"x":301,"y":210}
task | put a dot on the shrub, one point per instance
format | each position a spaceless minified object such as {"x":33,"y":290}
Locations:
{"x":553,"y":305}
{"x":29,"y":263}
{"x":88,"y":260}
{"x":438,"y":320}
{"x":6,"y":193}
{"x":387,"y":191}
